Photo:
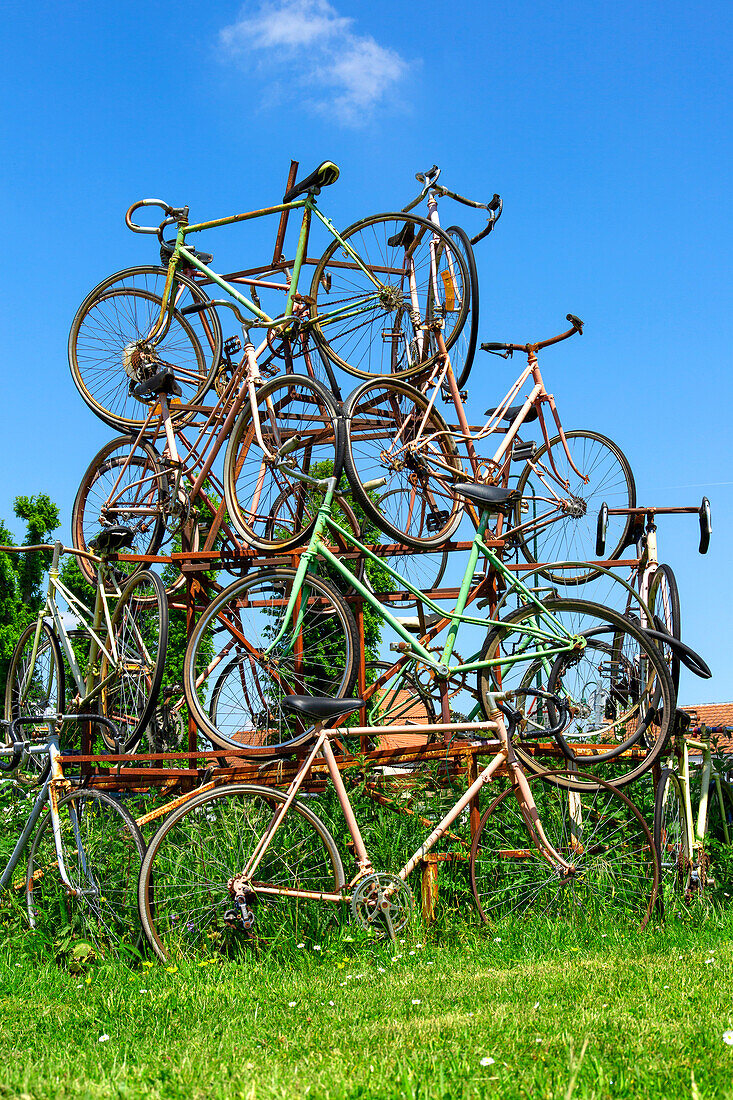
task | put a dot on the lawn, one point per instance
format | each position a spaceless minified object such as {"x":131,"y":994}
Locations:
{"x":532,"y":1010}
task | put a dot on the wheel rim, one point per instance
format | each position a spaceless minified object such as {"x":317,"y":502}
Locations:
{"x":108,"y":344}
{"x":268,"y":506}
{"x":390,"y":437}
{"x":600,"y":833}
{"x":185,"y":898}
{"x":383,"y":338}
{"x":572,"y":536}
{"x":239,"y":626}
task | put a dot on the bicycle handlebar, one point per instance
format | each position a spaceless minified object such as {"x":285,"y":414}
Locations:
{"x":509,"y":349}
{"x":429,"y":180}
{"x":49,"y":546}
{"x":173,"y":214}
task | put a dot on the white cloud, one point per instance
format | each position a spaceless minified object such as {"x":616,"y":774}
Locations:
{"x":307,"y":46}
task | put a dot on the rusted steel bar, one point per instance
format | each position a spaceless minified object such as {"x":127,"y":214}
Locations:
{"x":277,"y":255}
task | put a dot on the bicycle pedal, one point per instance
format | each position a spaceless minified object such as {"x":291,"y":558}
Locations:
{"x":523,"y":452}
{"x":436,"y":520}
{"x":232,"y":346}
{"x":269,"y":370}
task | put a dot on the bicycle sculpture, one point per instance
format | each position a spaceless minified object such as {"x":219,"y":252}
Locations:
{"x":286,"y":525}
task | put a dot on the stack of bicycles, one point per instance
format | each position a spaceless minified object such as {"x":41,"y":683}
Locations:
{"x":362,"y":540}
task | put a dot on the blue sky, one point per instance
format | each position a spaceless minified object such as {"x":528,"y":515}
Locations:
{"x":605,"y":127}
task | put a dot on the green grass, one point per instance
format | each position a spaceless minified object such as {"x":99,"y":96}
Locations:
{"x":562,"y":1013}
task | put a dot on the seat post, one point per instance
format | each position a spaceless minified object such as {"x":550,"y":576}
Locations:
{"x":362,"y":857}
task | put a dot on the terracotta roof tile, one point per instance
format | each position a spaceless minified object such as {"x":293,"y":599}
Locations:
{"x":717,"y":717}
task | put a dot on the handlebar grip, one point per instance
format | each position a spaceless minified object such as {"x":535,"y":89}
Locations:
{"x":601,"y":530}
{"x":495,"y":204}
{"x":575,"y":322}
{"x":706,"y":525}
{"x":494,"y":347}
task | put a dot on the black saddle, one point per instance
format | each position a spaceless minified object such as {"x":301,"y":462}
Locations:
{"x":324,"y":175}
{"x":320,"y":707}
{"x":491,"y":498}
{"x":111,"y":540}
{"x":511,"y":414}
{"x":167,"y":248}
{"x":162,"y":382}
{"x":404,"y":238}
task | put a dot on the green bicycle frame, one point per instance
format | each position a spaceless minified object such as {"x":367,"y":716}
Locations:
{"x":553,"y":640}
{"x":262,"y":319}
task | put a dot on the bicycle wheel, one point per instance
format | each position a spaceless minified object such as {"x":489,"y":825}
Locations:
{"x":35,"y":687}
{"x":109,"y":349}
{"x":618,"y":687}
{"x":672,"y":838}
{"x":134,"y":657}
{"x":316,"y":656}
{"x":600,"y":834}
{"x":267,"y":504}
{"x":464,"y":348}
{"x":562,"y":522}
{"x":664,"y":602}
{"x":185,"y":904}
{"x":392,"y":434}
{"x":370,"y":315}
{"x":124,"y":484}
{"x":102,"y":852}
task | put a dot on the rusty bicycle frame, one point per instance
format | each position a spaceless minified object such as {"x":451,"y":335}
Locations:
{"x":441,"y":379}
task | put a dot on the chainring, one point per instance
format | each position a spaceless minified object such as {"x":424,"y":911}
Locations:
{"x":383,"y":903}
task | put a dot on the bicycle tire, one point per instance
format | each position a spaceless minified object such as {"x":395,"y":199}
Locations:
{"x":103,"y":870}
{"x":572,"y":537}
{"x":143,"y":484}
{"x":364,"y":348}
{"x":140,"y":628}
{"x":245,"y":615}
{"x":664,"y":600}
{"x":183,"y":894}
{"x":603,"y":703}
{"x":112,"y":320}
{"x":384,"y":420}
{"x":27,"y":698}
{"x":616,"y":870}
{"x":292,"y":406}
{"x":671,"y":838}
{"x":464,"y":348}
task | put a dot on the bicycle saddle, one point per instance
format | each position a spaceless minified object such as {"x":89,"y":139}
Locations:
{"x":166,"y":251}
{"x":511,"y":414}
{"x":320,"y":706}
{"x":412,"y":622}
{"x":324,"y":175}
{"x":162,"y":382}
{"x":490,"y":497}
{"x":112,"y":539}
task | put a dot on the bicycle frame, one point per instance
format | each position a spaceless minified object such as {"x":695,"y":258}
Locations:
{"x":182,"y":254}
{"x":697,"y":824}
{"x":552,"y":638}
{"x":97,"y":624}
{"x":48,"y":793}
{"x":240,"y":884}
{"x":442,"y":377}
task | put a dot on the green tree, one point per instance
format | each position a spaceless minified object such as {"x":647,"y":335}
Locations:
{"x":21,"y":575}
